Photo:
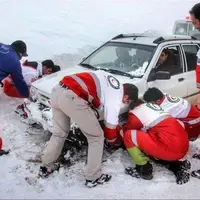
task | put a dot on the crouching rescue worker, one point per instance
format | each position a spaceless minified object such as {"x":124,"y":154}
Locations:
{"x":72,"y":99}
{"x":153,"y":132}
{"x":180,"y":109}
{"x":30,"y":75}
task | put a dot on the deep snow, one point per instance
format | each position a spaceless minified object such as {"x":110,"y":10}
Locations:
{"x":69,"y":183}
{"x":74,"y":28}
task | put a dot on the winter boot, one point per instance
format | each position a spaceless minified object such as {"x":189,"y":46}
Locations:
{"x":185,"y":164}
{"x":143,"y":171}
{"x":101,"y":180}
{"x":3,"y":152}
{"x":44,"y":172}
{"x":132,"y":172}
{"x":178,"y":168}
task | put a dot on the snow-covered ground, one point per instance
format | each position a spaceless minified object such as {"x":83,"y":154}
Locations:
{"x":69,"y":182}
{"x":67,"y":30}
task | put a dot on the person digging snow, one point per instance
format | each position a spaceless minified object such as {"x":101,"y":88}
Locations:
{"x":178,"y":107}
{"x":30,"y":74}
{"x":153,"y":132}
{"x":73,"y":99}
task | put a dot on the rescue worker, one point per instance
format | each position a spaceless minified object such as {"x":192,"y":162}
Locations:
{"x":45,"y":67}
{"x":179,"y":108}
{"x":195,"y":18}
{"x":156,"y":133}
{"x":10,"y":56}
{"x":73,"y":99}
{"x":30,"y":75}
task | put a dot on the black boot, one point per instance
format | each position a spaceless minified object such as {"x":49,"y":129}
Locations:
{"x":44,"y":172}
{"x":143,"y":171}
{"x":179,"y":169}
{"x":3,"y":152}
{"x":104,"y":178}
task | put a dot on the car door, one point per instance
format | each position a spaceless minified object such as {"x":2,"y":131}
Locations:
{"x":190,"y":59}
{"x":176,"y":85}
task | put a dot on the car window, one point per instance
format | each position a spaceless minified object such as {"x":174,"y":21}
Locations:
{"x":192,"y":29}
{"x":125,"y":57}
{"x":181,"y":29}
{"x":190,"y":54}
{"x":170,"y":61}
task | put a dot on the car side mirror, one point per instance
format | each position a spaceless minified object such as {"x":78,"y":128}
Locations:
{"x":159,"y":75}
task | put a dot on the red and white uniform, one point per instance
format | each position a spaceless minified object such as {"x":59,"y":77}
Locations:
{"x":30,"y":74}
{"x":101,"y":90}
{"x":155,"y":132}
{"x":198,"y":70}
{"x":181,"y":109}
{"x":198,"y":78}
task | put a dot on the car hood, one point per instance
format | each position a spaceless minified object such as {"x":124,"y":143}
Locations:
{"x":46,"y":84}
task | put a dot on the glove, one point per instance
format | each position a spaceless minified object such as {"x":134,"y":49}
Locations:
{"x":114,"y":145}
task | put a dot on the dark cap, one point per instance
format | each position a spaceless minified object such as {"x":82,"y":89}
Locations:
{"x":20,"y":47}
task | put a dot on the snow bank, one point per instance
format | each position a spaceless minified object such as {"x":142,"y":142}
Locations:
{"x":53,"y":27}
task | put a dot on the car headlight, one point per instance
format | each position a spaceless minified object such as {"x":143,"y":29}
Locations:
{"x":33,"y":93}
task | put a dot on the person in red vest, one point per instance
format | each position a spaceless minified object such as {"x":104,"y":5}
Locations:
{"x":179,"y":108}
{"x":73,"y":99}
{"x":152,"y":132}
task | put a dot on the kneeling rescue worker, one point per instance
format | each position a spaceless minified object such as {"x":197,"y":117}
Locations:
{"x":178,"y":108}
{"x":73,"y":99}
{"x":153,"y":132}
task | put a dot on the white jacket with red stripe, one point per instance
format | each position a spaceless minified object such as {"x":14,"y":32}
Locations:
{"x":145,"y":116}
{"x":29,"y":73}
{"x":102,"y":90}
{"x":179,"y":108}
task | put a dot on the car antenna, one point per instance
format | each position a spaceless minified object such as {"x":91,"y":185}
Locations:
{"x":134,"y":38}
{"x":152,"y":33}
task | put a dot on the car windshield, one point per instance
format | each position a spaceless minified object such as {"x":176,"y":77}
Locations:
{"x":121,"y":57}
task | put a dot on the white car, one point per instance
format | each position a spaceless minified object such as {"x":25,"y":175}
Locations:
{"x":132,"y":58}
